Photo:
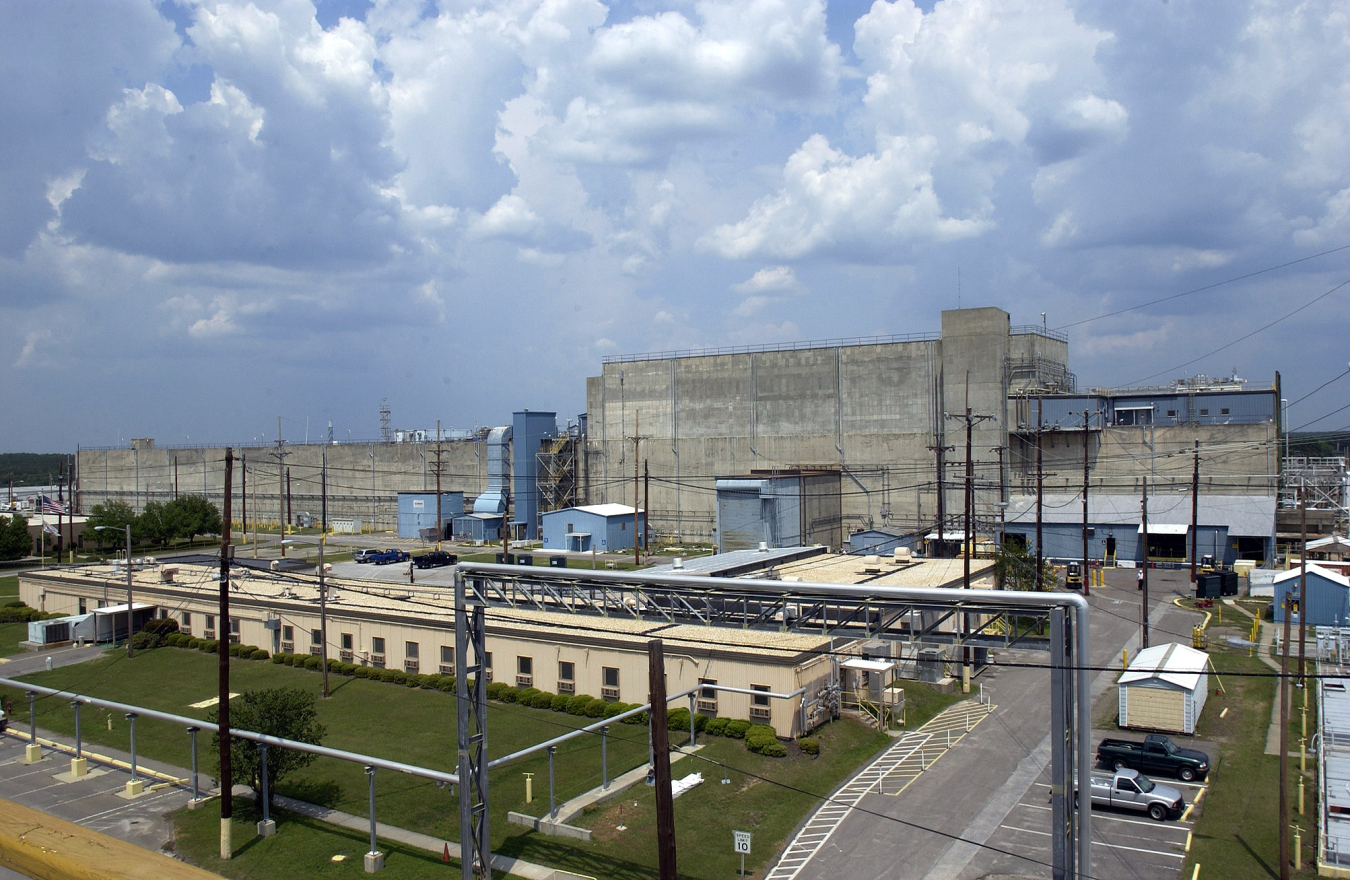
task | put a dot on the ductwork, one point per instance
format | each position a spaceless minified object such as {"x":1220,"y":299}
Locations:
{"x":498,"y":493}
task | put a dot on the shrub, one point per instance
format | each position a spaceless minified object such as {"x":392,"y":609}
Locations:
{"x":196,"y":644}
{"x":542,"y":700}
{"x":774,"y":749}
{"x":596,"y":708}
{"x":333,"y":664}
{"x":347,"y":668}
{"x":717,"y":727}
{"x":258,"y":654}
{"x":677,"y":719}
{"x":447,"y":684}
{"x":525,"y":695}
{"x":312,"y":662}
{"x":701,"y":722}
{"x":509,"y":694}
{"x":559,"y":702}
{"x":410,"y":680}
{"x":234,"y":649}
{"x":810,"y":745}
{"x":211,"y":646}
{"x":736,"y":729}
{"x":639,"y":718}
{"x":761,"y":730}
{"x":617,"y":709}
{"x":362,"y":672}
{"x":494,"y":690}
{"x":144,"y":641}
{"x":398,"y":676}
{"x":577,"y":705}
{"x":280,"y":657}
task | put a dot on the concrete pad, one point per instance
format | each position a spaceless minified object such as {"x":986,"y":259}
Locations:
{"x":544,"y":826}
{"x":267,"y":828}
{"x":32,"y":753}
{"x":133,"y":789}
{"x":374,"y":862}
{"x":71,"y":777}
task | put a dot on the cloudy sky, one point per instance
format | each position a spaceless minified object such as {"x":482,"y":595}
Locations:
{"x":217,"y":213}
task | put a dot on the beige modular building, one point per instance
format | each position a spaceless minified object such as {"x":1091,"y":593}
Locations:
{"x":412,"y":628}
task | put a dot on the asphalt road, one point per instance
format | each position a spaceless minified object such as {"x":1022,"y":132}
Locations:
{"x":989,"y":780}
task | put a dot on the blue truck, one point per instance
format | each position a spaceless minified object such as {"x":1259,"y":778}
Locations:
{"x":392,"y":554}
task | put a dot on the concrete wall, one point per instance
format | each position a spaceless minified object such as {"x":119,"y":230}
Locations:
{"x":364,"y":479}
{"x":871,"y":409}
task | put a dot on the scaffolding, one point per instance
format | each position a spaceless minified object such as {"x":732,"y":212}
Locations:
{"x":558,"y":473}
{"x":1322,"y":480}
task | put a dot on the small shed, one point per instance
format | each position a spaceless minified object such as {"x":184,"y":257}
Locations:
{"x":1164,"y":688}
{"x":601,"y":527}
{"x":1328,"y":598}
{"x":477,"y":527}
{"x":417,"y":511}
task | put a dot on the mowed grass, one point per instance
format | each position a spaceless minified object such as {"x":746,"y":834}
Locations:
{"x":1237,"y":829}
{"x":767,"y":796}
{"x":9,"y":588}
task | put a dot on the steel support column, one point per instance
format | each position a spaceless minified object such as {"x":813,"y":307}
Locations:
{"x":471,"y":714}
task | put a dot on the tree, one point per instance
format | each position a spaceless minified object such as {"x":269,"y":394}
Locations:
{"x":193,"y":515}
{"x":15,"y":542}
{"x":285,"y":712}
{"x":113,"y":515}
{"x":157,"y":523}
{"x":1016,"y":568}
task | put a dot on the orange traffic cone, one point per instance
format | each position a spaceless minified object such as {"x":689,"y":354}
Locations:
{"x":445,"y":856}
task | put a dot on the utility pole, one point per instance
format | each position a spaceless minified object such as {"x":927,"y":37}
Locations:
{"x":665,"y":803}
{"x":637,"y":440}
{"x":226,"y":776}
{"x":289,"y":520}
{"x":967,"y":549}
{"x":280,"y":456}
{"x":1143,"y":639}
{"x":646,"y":497}
{"x":1002,"y":511}
{"x":439,"y":528}
{"x":1087,"y":574}
{"x":1040,"y":496}
{"x":941,"y":452}
{"x":1283,"y":828}
{"x":243,"y":493}
{"x":323,"y":587}
{"x":1195,"y":506}
{"x":1302,"y":588}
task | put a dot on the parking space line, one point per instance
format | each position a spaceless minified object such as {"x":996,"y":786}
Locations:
{"x":1156,"y":852}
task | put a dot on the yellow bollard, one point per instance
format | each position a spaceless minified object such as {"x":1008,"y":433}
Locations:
{"x":1195,"y":875}
{"x":529,"y":788}
{"x":1125,"y":658}
{"x":1300,"y":795}
{"x":1298,"y":849}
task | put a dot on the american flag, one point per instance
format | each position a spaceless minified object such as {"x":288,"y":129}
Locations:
{"x":46,"y":505}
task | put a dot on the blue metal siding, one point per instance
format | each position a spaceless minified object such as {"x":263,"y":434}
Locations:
{"x":528,"y":430}
{"x":1328,"y":601}
{"x":417,"y":511}
{"x":608,"y":533}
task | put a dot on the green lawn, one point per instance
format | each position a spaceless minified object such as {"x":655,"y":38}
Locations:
{"x":418,"y":726}
{"x":10,"y":636}
{"x":1236,"y":831}
{"x":9,"y":588}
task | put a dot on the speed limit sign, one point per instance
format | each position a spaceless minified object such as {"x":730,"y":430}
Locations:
{"x":742,"y":842}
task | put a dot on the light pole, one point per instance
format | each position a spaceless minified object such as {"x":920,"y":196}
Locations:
{"x":323,"y":610}
{"x":130,"y":652}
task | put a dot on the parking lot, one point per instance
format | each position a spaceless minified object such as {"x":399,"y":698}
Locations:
{"x":1125,"y":845}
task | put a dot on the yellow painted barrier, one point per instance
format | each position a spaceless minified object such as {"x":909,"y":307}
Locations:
{"x":39,"y":845}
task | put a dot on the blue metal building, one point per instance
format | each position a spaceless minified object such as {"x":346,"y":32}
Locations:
{"x":529,"y":431}
{"x":1171,"y":406}
{"x":1328,"y":598}
{"x":479,"y":527}
{"x":1230,"y":527}
{"x":417,"y":511}
{"x":600,"y":527}
{"x":880,"y":542}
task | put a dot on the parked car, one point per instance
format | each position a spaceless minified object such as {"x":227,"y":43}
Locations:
{"x":435,"y":559}
{"x":4,"y":721}
{"x":1132,"y":790}
{"x":364,"y":555}
{"x":388,"y":555}
{"x":1156,"y":754}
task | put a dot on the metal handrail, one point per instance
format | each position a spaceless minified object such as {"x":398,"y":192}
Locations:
{"x":282,"y":742}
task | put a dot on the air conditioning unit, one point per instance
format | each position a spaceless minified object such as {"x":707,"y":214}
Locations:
{"x":760,"y":713}
{"x":608,"y":693}
{"x":524,"y":681}
{"x":411,"y":666}
{"x":288,"y":647}
{"x":706,"y":706}
{"x":567,"y":687}
{"x":447,"y":669}
{"x":345,"y":656}
{"x":377,"y":660}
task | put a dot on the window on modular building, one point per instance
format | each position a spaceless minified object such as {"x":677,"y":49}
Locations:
{"x":210,"y":621}
{"x":1204,"y":412}
{"x":234,"y":625}
{"x":376,"y":645}
{"x":567,"y":670}
{"x":707,"y":691}
{"x":609,"y":689}
{"x":525,"y":666}
{"x":487,"y":657}
{"x":187,"y":616}
{"x":411,"y":650}
{"x":761,"y":695}
{"x":288,"y":633}
{"x":316,"y":637}
{"x":448,"y":654}
{"x":346,"y":641}
{"x":1171,"y":414}
{"x":1223,"y":411}
{"x":82,"y":607}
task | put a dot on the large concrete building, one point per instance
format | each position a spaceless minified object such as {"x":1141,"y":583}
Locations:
{"x":889,"y":417}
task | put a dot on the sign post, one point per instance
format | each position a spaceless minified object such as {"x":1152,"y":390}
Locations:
{"x":741,"y":845}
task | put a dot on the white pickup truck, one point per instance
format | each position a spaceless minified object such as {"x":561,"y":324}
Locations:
{"x":1132,"y":790}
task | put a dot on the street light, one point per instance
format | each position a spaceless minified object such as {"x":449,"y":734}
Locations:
{"x":130,"y":653}
{"x":323,"y":610}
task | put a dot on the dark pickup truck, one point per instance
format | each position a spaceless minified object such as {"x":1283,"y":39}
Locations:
{"x":1156,"y":754}
{"x":391,"y":555}
{"x":435,"y":559}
